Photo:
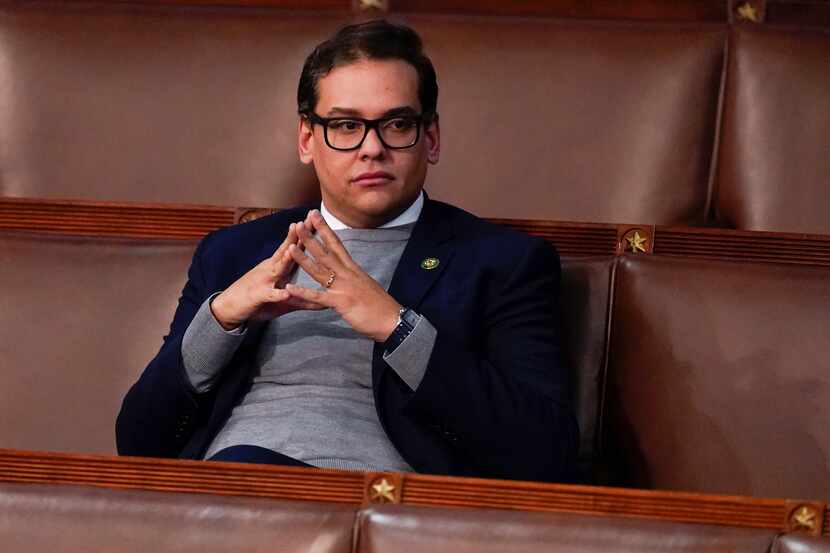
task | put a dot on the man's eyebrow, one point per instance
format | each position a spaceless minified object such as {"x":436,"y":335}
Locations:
{"x":349,"y":112}
{"x":404,"y":110}
{"x":333,"y":112}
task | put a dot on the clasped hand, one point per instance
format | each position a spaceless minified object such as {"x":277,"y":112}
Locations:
{"x":264,"y":293}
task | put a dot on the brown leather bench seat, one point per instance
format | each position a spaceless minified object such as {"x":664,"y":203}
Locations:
{"x":796,"y":543}
{"x":78,"y":519}
{"x":774,"y":167}
{"x":719,"y":377}
{"x":715,"y":379}
{"x":77,"y":341}
{"x":404,"y":529}
{"x":585,"y":296}
{"x":541,"y":118}
{"x":81,"y":317}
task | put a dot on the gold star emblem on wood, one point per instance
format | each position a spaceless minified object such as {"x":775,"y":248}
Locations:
{"x":804,"y":518}
{"x":636,"y":243}
{"x":248,"y":215}
{"x":747,"y":12}
{"x":380,"y":5}
{"x":383,"y":491}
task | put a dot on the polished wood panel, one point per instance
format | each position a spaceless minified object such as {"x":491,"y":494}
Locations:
{"x":525,"y":496}
{"x":306,"y":5}
{"x":644,"y":10}
{"x":181,"y":476}
{"x":572,"y":239}
{"x":735,"y":245}
{"x":591,"y":239}
{"x":350,"y":487}
{"x":93,"y":218}
{"x":802,"y":13}
{"x":676,"y":10}
{"x":133,"y":220}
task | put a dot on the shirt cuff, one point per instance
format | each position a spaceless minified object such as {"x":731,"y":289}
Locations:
{"x":207,"y":347}
{"x":411,"y":357}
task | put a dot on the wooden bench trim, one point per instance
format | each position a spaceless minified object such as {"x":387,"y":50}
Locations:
{"x":112,"y":219}
{"x":737,"y":245}
{"x":349,"y":487}
{"x":181,"y":221}
{"x":712,"y":11}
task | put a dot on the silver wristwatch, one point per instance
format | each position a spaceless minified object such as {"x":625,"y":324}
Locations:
{"x":407,"y":319}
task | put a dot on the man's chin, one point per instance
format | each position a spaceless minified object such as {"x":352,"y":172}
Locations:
{"x":380,"y":211}
{"x":379,"y":201}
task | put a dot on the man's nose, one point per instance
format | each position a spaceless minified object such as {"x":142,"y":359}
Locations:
{"x":372,"y":146}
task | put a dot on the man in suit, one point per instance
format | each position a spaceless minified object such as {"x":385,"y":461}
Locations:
{"x":380,"y":330}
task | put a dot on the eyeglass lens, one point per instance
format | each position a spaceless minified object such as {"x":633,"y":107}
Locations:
{"x":400,"y":132}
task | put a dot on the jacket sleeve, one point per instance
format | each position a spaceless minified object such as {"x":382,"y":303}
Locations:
{"x":502,"y":397}
{"x":160,"y":411}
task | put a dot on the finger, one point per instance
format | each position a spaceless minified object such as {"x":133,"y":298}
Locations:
{"x":318,"y":297}
{"x":280,"y":303}
{"x":277,"y":295}
{"x":314,"y":270}
{"x":298,"y":303}
{"x":312,"y":245}
{"x":282,"y":267}
{"x":329,"y":238}
{"x":290,"y":238}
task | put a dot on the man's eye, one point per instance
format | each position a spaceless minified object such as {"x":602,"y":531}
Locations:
{"x":345,"y":125}
{"x":400,"y":124}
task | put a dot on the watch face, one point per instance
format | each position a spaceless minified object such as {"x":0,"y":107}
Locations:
{"x":410,"y":317}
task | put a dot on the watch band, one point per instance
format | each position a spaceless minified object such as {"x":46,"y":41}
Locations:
{"x":407,"y":319}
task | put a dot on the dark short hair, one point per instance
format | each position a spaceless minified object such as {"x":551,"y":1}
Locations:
{"x":374,"y":40}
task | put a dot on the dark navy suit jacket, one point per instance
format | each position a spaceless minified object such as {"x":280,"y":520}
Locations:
{"x":494,"y":401}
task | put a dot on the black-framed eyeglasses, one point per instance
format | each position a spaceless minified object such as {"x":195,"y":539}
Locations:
{"x":348,"y":133}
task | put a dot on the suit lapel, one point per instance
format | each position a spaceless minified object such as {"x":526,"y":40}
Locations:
{"x":431,"y":239}
{"x":426,"y":256}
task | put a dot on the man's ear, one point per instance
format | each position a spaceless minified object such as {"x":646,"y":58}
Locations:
{"x":305,"y":140}
{"x":432,"y":135}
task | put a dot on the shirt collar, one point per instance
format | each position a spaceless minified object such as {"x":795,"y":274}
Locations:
{"x":410,"y":215}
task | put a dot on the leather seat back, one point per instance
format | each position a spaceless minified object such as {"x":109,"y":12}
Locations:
{"x":154,"y":104}
{"x":719,"y":377}
{"x":800,"y":543}
{"x":774,"y":167}
{"x":81,"y":317}
{"x":400,"y":529}
{"x":585,"y":291}
{"x":545,"y":119}
{"x":540,"y":118}
{"x":75,"y":519}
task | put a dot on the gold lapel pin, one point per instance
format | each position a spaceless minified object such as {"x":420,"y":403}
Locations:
{"x":429,"y":263}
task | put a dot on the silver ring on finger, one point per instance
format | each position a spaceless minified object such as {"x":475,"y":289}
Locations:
{"x":330,"y":281}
